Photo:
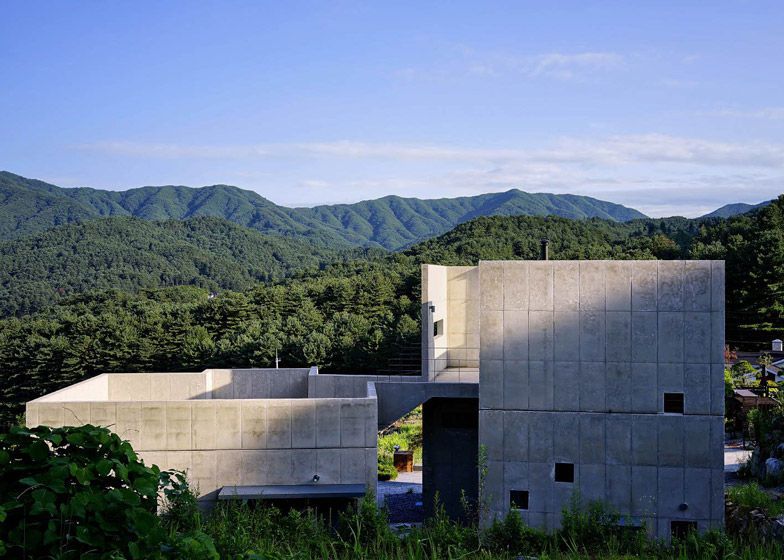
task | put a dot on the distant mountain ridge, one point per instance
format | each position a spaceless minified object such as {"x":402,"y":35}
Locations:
{"x":391,"y":222}
{"x":729,"y":210}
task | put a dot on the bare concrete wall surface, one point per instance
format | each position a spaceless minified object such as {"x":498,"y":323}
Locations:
{"x":434,"y":311}
{"x":95,"y":388}
{"x":206,"y":427}
{"x":576,"y":357}
{"x":462,"y":331}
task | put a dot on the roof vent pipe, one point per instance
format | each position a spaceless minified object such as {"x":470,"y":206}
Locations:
{"x":545,"y":252}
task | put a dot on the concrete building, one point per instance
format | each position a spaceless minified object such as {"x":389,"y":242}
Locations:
{"x":601,"y":377}
{"x":598,"y":377}
{"x":229,"y":428}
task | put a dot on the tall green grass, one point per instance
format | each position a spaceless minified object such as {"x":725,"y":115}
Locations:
{"x":245,"y":532}
{"x":753,"y":496}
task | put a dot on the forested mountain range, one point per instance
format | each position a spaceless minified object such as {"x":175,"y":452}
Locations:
{"x":729,"y":210}
{"x":392,"y":222}
{"x":130,"y":254}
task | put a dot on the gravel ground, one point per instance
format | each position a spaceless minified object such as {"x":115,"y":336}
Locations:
{"x":405,"y":508}
{"x":403,"y":498}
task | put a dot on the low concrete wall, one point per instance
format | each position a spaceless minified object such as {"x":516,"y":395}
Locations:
{"x":350,"y":386}
{"x":289,"y":383}
{"x":93,"y":389}
{"x":210,"y":384}
{"x":228,"y":441}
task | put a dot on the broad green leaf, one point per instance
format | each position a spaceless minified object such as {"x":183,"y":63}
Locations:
{"x":38,"y":450}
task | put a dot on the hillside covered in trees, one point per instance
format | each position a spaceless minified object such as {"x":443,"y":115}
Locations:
{"x":392,"y":222}
{"x":129,"y":254}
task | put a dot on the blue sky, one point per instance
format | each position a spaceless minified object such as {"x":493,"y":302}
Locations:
{"x":669,"y":107}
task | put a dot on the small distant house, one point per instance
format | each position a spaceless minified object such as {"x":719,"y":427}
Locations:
{"x":748,"y":400}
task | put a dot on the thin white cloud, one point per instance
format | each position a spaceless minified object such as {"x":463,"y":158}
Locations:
{"x":765,"y":113}
{"x":613,"y":150}
{"x":465,"y":61}
{"x":656,"y":173}
{"x":678,"y":83}
{"x":566,"y":66}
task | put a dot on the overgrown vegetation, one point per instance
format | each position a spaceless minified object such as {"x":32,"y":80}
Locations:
{"x":82,"y":493}
{"x":590,"y":531}
{"x":405,"y":434}
{"x":752,"y":496}
{"x":386,"y":466}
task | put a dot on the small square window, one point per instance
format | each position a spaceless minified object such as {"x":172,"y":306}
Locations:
{"x":518,"y":499}
{"x":438,"y":328}
{"x":673,"y":403}
{"x":680,"y":529}
{"x":564,"y":472}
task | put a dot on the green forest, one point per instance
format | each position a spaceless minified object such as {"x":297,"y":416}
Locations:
{"x":130,"y":253}
{"x":353,"y":315}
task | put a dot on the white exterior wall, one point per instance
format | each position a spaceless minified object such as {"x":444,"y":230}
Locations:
{"x":434,"y":309}
{"x":462,"y":338}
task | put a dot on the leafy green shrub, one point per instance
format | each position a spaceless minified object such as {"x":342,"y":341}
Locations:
{"x":406,"y":435}
{"x":752,"y":496}
{"x":242,"y":530}
{"x":386,"y":467}
{"x":83,"y":493}
{"x":511,"y":535}
{"x":180,"y":508}
{"x":596,"y":527}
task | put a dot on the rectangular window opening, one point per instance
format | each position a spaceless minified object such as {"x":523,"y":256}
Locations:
{"x":518,"y":499}
{"x":564,"y":472}
{"x":680,"y":529}
{"x":438,"y":328}
{"x":673,"y":403}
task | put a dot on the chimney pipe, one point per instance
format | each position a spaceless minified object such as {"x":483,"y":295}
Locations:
{"x":545,"y":253}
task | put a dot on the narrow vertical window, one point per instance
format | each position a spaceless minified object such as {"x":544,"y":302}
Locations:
{"x":564,"y":472}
